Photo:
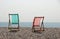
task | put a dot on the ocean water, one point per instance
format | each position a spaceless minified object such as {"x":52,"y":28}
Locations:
{"x":29,"y":24}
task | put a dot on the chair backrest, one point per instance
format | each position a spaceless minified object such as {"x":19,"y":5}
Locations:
{"x":37,"y":21}
{"x":14,"y":18}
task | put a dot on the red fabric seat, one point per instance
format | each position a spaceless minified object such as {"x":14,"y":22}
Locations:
{"x":38,"y":23}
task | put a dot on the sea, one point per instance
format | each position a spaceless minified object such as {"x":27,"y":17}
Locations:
{"x":30,"y":24}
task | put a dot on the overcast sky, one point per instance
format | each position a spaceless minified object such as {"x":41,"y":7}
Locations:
{"x":28,"y":9}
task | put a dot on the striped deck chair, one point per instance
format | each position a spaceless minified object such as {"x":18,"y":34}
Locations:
{"x":13,"y":22}
{"x":38,"y":24}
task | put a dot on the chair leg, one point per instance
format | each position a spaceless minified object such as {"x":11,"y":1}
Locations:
{"x":32,"y":29}
{"x":42,"y":26}
{"x":18,"y":27}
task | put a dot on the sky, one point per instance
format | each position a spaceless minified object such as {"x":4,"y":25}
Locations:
{"x":28,"y":9}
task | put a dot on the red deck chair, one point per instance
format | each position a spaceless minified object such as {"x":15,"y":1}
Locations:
{"x":38,"y":24}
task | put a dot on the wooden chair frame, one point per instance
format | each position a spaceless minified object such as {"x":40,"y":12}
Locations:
{"x":42,"y":24}
{"x":11,"y":28}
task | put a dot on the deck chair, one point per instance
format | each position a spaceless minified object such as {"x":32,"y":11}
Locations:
{"x":13,"y":22}
{"x":38,"y":24}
